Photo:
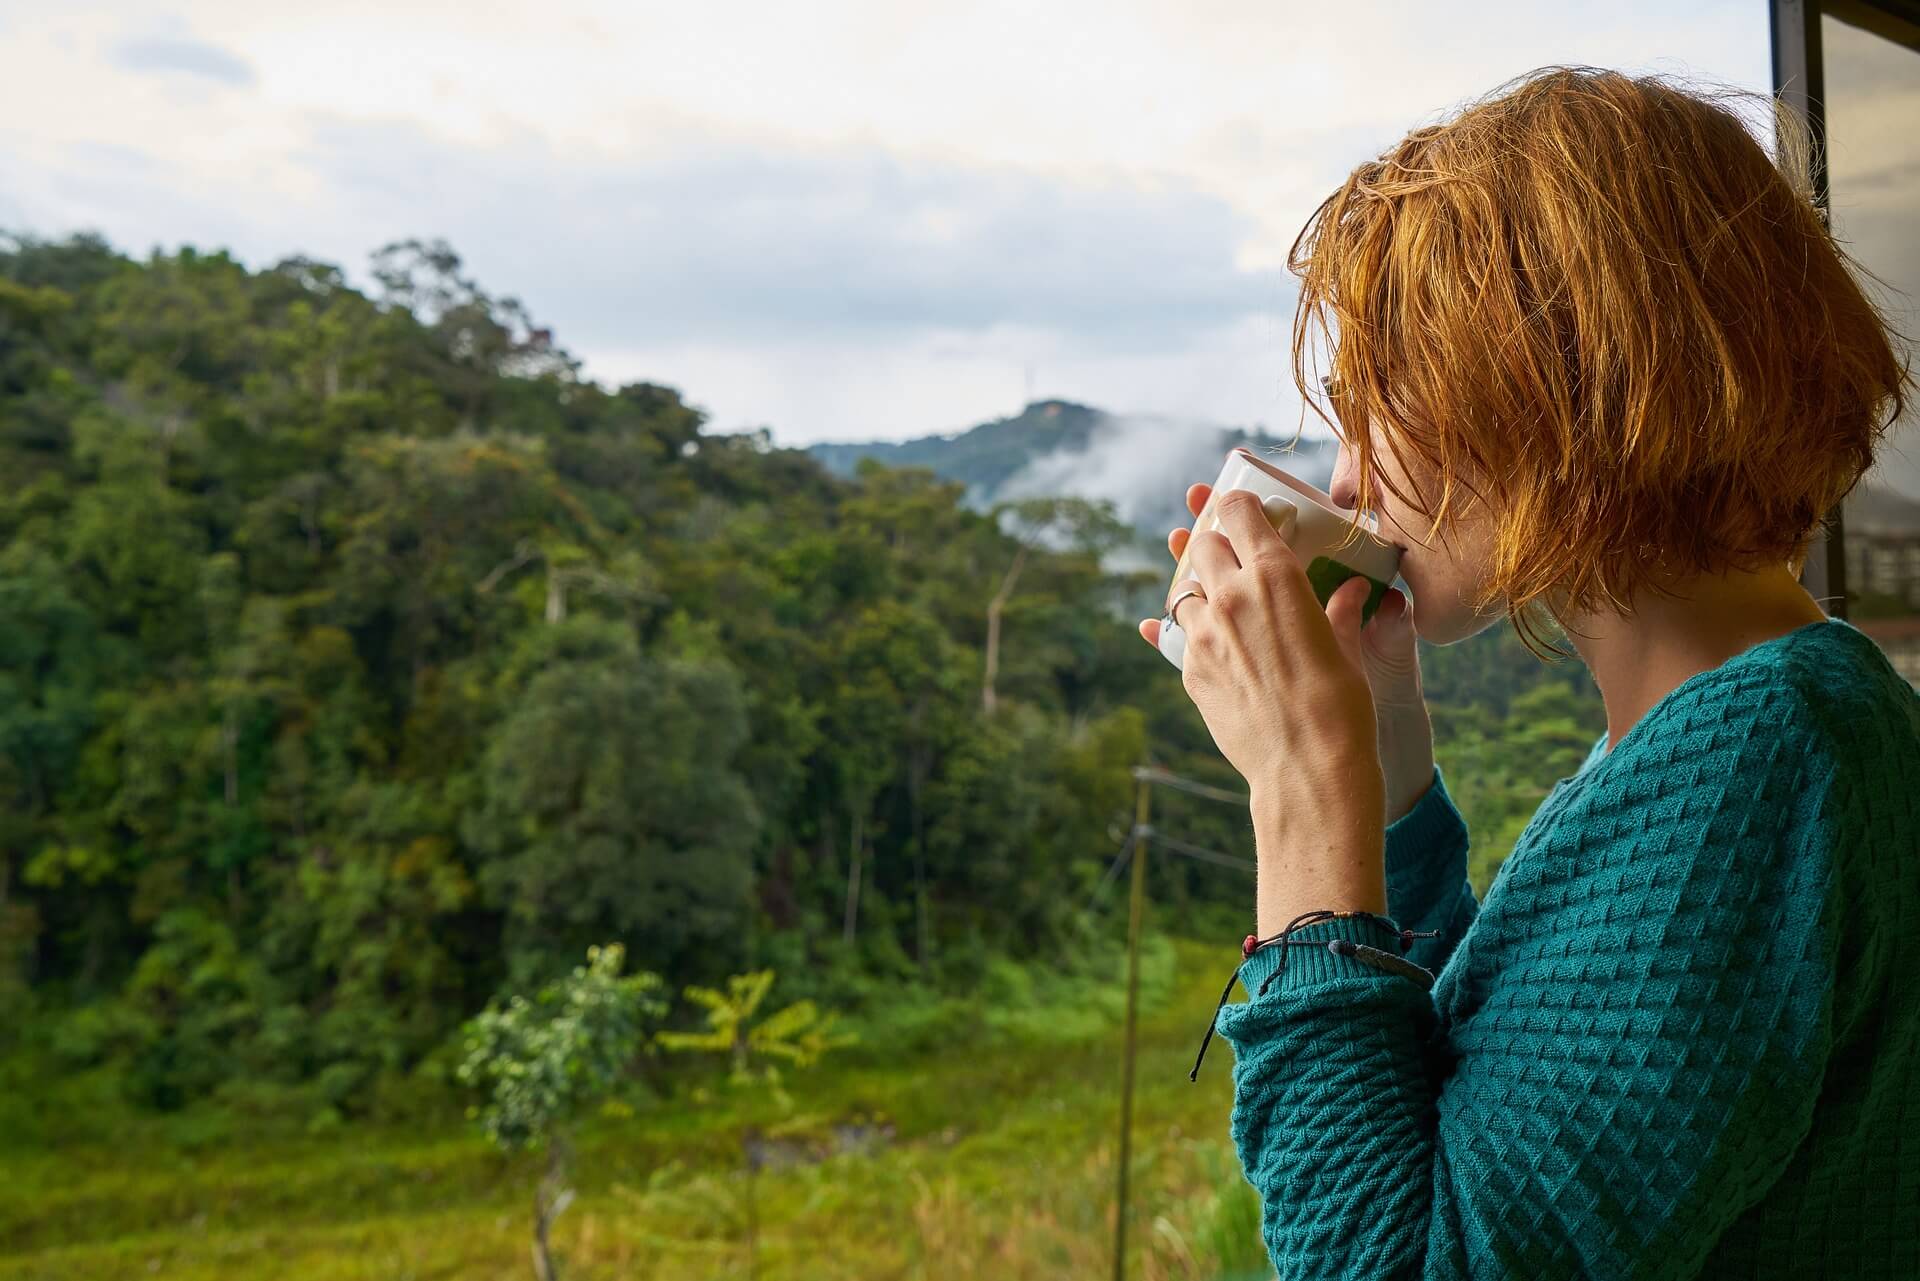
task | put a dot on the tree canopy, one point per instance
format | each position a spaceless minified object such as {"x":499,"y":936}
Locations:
{"x":359,"y":658}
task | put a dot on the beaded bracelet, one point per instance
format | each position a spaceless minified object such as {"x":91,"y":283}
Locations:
{"x":1371,"y":956}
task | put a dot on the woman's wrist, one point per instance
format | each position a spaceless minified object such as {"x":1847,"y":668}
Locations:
{"x":1319,"y":843}
{"x":1406,"y":759}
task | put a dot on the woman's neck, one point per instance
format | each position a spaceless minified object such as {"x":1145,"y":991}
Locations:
{"x":1637,"y":659}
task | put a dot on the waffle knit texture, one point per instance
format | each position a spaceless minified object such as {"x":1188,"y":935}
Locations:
{"x":1680,"y":1038}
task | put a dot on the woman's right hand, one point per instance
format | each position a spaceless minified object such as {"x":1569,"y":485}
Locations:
{"x":1393,"y":674}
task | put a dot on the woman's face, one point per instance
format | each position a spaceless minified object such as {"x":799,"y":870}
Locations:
{"x":1444,"y":574}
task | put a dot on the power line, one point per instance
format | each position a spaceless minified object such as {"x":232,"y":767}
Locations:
{"x":1153,"y":774}
{"x":1173,"y":845}
{"x":1113,"y":870}
{"x":1177,"y":846}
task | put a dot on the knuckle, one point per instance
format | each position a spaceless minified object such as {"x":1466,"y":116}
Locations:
{"x":1275,"y":558}
{"x":1262,"y":577}
{"x":1277,"y":571}
{"x":1238,"y":500}
{"x":1227,"y":598}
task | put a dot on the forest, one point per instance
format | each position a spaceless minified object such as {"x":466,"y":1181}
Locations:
{"x":362,"y":660}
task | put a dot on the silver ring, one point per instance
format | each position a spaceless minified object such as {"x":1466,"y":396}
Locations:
{"x":1175,"y":603}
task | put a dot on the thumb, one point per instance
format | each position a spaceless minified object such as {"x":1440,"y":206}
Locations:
{"x":1392,"y":652}
{"x":1390,"y":636}
{"x":1343,"y":613}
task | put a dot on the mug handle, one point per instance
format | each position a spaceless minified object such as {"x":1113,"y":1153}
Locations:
{"x":1282,"y":515}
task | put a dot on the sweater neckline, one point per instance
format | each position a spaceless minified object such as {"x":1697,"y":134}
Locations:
{"x":1603,"y":751}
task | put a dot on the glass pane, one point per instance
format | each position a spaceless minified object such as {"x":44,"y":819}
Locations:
{"x":1873,"y":167}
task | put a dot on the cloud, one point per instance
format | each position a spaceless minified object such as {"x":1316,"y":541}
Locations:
{"x":850,"y":221}
{"x":825,"y":291}
{"x":1144,"y":463}
{"x":182,"y":55}
{"x":131,"y":196}
{"x":1132,"y":456}
{"x":811,"y":387}
{"x":728,"y":240}
{"x":838,"y":292}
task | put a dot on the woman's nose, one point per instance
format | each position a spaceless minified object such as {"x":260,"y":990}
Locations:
{"x":1344,"y":488}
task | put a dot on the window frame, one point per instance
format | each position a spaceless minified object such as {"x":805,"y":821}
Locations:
{"x":1799,"y":83}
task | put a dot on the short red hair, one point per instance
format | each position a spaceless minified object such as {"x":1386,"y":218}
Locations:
{"x":1595,"y":302}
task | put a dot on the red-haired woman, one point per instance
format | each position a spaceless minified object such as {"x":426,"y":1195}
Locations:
{"x":1598,"y":366}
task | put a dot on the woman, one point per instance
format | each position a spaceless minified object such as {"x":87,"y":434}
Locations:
{"x":1595,"y":360}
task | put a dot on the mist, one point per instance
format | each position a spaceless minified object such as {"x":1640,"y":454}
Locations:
{"x":1143,"y":464}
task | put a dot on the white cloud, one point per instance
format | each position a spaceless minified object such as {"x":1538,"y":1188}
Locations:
{"x":1162,"y":146}
{"x":176,"y":55}
{"x":731,"y":241}
{"x":861,"y":388}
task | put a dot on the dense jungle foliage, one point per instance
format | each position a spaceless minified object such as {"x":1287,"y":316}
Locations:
{"x":359,"y":659}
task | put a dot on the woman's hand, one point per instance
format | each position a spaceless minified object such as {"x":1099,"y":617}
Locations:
{"x":1282,"y":686}
{"x":1392,"y":661}
{"x":1390,"y":658}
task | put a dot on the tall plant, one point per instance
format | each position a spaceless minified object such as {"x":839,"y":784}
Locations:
{"x":755,"y":1047}
{"x":541,"y":1063}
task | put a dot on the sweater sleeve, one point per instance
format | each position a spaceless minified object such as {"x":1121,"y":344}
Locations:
{"x":1639,"y":1076}
{"x":1427,"y":886}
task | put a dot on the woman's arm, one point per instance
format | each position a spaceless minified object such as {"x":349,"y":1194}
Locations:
{"x":1427,"y":886}
{"x":1634,"y":1078}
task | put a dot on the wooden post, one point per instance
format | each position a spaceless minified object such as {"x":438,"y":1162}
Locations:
{"x":1136,"y":909}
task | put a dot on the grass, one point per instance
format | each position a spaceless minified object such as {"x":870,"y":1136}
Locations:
{"x":1000,"y":1163}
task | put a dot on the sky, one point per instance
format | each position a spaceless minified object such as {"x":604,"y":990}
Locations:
{"x":847,"y":220}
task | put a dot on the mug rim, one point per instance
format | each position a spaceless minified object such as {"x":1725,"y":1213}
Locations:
{"x":1367,"y":524}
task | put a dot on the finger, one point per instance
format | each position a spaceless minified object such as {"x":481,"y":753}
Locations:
{"x":1389,"y":634}
{"x":1343,"y":613}
{"x":1177,"y":541}
{"x":1393,"y":658}
{"x":1150,"y":631}
{"x":1244,"y":520}
{"x":1211,"y":559}
{"x":1393,"y":621}
{"x":1189,"y":604}
{"x":1197,"y":497}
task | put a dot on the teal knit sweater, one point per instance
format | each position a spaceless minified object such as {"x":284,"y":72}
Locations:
{"x":1680,"y":1037}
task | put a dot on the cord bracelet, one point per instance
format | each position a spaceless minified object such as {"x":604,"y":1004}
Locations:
{"x":1374,"y":957}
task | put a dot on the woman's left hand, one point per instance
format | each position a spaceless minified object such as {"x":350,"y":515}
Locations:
{"x":1281,"y":685}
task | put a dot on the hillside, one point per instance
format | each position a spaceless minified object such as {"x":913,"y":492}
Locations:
{"x":1141,"y":463}
{"x":359,"y":660}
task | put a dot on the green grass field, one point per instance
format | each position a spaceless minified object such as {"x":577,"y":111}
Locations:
{"x":1000,"y":1162}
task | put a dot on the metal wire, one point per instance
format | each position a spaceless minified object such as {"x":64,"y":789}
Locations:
{"x":1153,"y":774}
{"x":1119,"y":861}
{"x":1202,"y":855}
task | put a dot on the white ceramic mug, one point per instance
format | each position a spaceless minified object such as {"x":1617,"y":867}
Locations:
{"x":1331,"y":543}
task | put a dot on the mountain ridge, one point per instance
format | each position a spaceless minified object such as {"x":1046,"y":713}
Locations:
{"x":1143,"y":463}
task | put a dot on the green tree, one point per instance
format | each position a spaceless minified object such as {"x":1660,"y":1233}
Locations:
{"x":54,"y":662}
{"x":358,"y":658}
{"x":540,"y":1064}
{"x":611,"y":803}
